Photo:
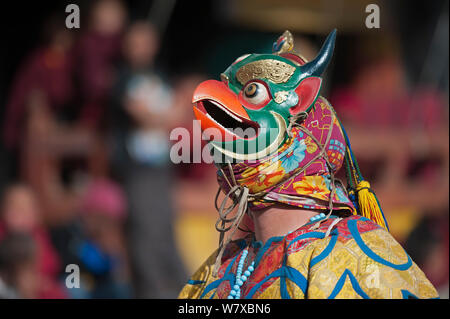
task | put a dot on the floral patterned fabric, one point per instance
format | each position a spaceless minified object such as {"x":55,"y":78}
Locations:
{"x":310,"y":189}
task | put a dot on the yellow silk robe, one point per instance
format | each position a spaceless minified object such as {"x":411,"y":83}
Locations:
{"x":358,"y":259}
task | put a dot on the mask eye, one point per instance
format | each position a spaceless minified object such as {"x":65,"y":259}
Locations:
{"x":256,"y":93}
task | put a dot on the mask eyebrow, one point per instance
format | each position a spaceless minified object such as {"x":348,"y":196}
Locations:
{"x":274,"y":70}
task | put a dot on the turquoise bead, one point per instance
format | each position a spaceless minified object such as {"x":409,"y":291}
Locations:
{"x":317,"y":217}
{"x":235,"y":293}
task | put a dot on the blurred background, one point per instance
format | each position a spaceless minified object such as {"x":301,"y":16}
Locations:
{"x":85,"y":176}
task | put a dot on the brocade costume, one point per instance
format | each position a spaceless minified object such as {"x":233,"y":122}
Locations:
{"x":291,"y":159}
{"x":359,"y":259}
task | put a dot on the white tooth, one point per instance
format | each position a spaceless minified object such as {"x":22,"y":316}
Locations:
{"x":228,"y":112}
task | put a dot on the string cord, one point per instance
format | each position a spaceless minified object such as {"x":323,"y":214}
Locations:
{"x":240,"y":195}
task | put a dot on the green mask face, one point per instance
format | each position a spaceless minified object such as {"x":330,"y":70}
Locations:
{"x":259,"y":93}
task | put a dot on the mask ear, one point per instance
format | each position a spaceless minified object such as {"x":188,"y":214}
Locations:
{"x":307,"y":92}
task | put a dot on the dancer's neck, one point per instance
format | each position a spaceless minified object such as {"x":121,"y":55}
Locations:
{"x":276,"y":221}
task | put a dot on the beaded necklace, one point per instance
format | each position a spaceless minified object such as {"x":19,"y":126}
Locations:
{"x":241,"y":278}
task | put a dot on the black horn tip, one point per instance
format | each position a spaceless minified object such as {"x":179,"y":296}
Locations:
{"x":317,"y":66}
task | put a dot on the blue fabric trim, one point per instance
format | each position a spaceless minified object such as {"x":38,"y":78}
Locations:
{"x":407,"y":295}
{"x":319,"y":235}
{"x":242,"y":243}
{"x":354,"y":283}
{"x":195,"y":282}
{"x":256,"y":244}
{"x":297,"y":278}
{"x":283,"y":289}
{"x":276,"y":273}
{"x":216,"y":283}
{"x":211,"y":286}
{"x":325,"y":252}
{"x":266,"y":246}
{"x":284,"y":272}
{"x":313,"y":222}
{"x":354,"y":231}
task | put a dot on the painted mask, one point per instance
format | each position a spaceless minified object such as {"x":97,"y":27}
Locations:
{"x":258,"y":94}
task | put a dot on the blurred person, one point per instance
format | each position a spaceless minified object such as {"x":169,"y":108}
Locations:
{"x":96,"y":53}
{"x":39,"y":114}
{"x":92,"y":238}
{"x":102,"y":251}
{"x":141,"y":119}
{"x":53,"y":137}
{"x":21,"y":213}
{"x":379,"y":94}
{"x":18,"y":267}
{"x":312,"y":237}
{"x":47,"y":70}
